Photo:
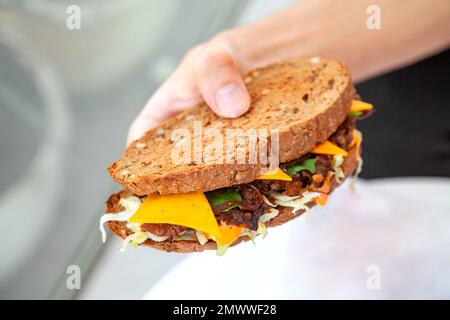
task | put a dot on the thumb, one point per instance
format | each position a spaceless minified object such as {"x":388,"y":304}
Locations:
{"x":219,"y":82}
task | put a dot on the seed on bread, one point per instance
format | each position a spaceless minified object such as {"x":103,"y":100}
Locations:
{"x":315,"y":59}
{"x":127,"y":173}
{"x":141,"y":145}
{"x":255,"y":73}
{"x":160,"y":132}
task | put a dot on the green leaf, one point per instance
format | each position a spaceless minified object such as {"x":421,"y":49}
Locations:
{"x":308,"y":164}
{"x":228,"y":195}
{"x":134,"y":244}
{"x":356,"y":113}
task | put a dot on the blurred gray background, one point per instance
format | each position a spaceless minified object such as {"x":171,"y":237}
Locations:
{"x":67,"y":98}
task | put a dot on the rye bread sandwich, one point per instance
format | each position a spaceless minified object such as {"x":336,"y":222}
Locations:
{"x":198,"y":181}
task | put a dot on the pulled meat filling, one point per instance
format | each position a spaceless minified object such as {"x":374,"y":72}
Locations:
{"x":163,"y":229}
{"x":248,"y":211}
{"x":250,"y":208}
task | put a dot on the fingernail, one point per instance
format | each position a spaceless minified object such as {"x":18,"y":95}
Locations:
{"x":231,"y":101}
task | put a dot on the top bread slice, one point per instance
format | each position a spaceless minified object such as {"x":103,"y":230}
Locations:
{"x":306,"y":100}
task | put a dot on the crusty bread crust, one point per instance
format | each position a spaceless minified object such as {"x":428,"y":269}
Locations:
{"x":349,"y":166}
{"x":306,"y":100}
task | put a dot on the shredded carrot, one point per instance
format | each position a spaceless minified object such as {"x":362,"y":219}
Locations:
{"x":357,"y":139}
{"x":325,"y":188}
{"x":329,"y":148}
{"x":322,"y":199}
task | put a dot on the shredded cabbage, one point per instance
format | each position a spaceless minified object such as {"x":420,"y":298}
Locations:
{"x":337,"y":162}
{"x":262,"y":229}
{"x":280,"y":197}
{"x":359,"y":165}
{"x":268,"y":216}
{"x":156,"y":238}
{"x":357,"y":172}
{"x":201,"y":237}
{"x":221,"y":249}
{"x":268,"y":202}
{"x":135,"y":239}
{"x":131,"y":204}
{"x":297,"y":202}
{"x":134,"y":226}
{"x":139,"y":237}
{"x":185,"y":236}
{"x":251,"y":234}
{"x":120,"y":216}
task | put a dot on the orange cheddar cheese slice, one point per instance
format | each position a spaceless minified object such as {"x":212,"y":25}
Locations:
{"x":276,"y":174}
{"x":191,"y":210}
{"x":228,"y":234}
{"x":329,"y":148}
{"x":360,"y":106}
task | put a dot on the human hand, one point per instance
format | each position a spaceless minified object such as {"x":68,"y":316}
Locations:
{"x":210,"y":71}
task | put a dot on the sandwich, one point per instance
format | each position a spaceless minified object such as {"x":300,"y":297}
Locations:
{"x":189,"y":187}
